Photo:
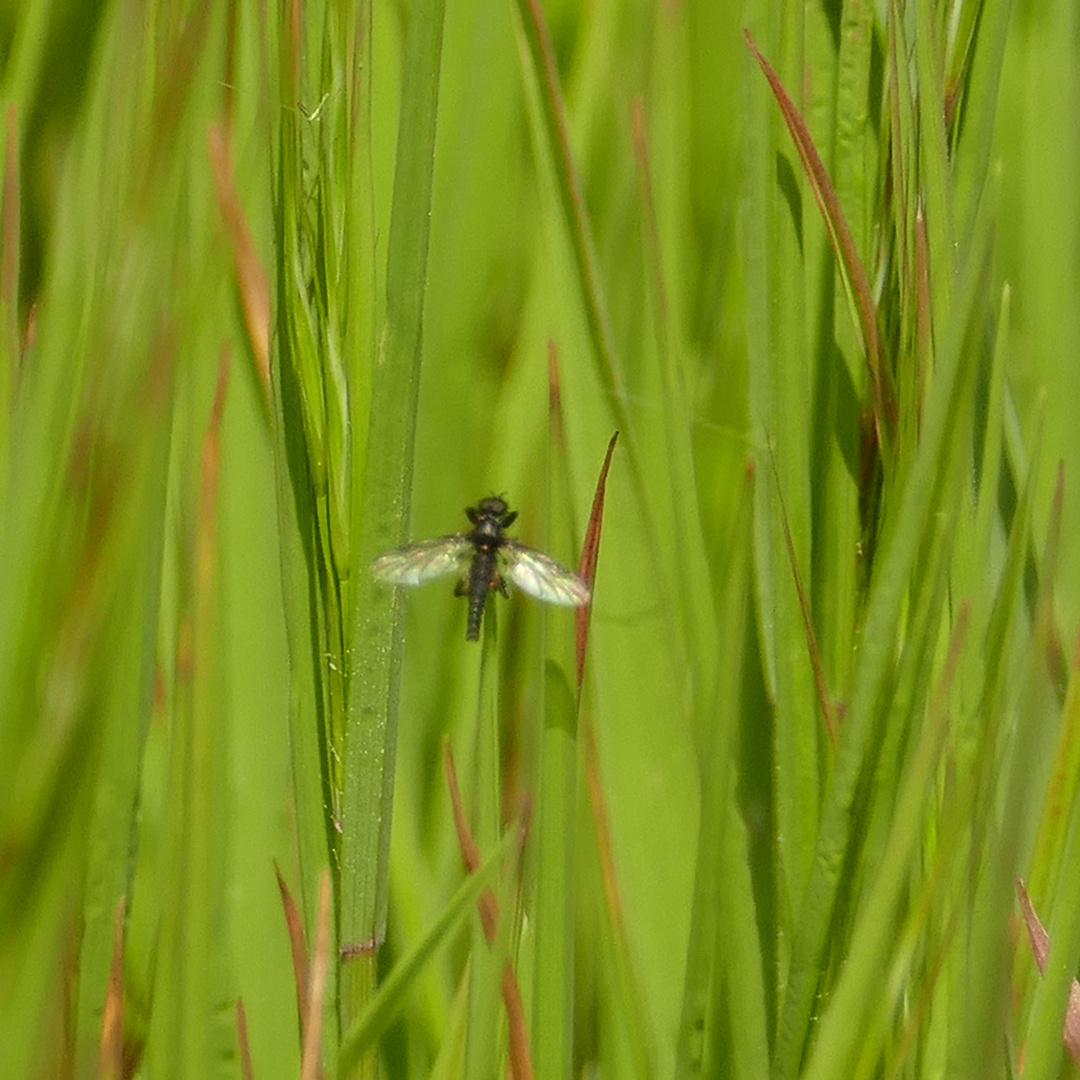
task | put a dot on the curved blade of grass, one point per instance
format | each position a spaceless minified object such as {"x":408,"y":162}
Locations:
{"x":590,"y":554}
{"x":380,"y":1011}
{"x":297,"y":948}
{"x":856,"y":283}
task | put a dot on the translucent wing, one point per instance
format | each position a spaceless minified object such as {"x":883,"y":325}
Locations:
{"x":540,"y":576}
{"x":414,"y":564}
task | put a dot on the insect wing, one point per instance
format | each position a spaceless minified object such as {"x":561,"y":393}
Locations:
{"x":414,"y":564}
{"x":538,"y":575}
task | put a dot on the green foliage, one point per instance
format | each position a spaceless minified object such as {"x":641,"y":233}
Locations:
{"x":285,"y":284}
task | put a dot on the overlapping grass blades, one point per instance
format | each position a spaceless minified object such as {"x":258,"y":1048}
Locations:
{"x":825,"y":715}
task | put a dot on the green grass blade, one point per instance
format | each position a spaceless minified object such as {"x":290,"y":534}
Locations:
{"x":544,"y":90}
{"x":387,"y":480}
{"x":553,"y":992}
{"x":462,"y":186}
{"x":854,"y":277}
{"x":389,"y":998}
{"x":1012,"y":677}
{"x":779,"y":413}
{"x":845,"y":1024}
{"x":980,"y":112}
{"x":191,"y":1030}
{"x":893,"y":566}
{"x":836,"y":521}
{"x":1044,"y":1041}
{"x":719,"y":969}
{"x":113,"y":818}
{"x":571,"y":194}
{"x":300,"y":476}
{"x":23,"y":67}
{"x":360,"y":298}
{"x":933,"y":160}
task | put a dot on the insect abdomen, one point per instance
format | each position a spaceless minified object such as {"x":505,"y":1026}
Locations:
{"x":480,"y":573}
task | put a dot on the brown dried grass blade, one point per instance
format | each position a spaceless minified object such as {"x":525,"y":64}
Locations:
{"x":111,"y":1044}
{"x":590,"y":553}
{"x":251,"y":280}
{"x":320,"y":962}
{"x":295,"y":926}
{"x":246,"y":1069}
{"x":843,"y":246}
{"x":1040,"y":949}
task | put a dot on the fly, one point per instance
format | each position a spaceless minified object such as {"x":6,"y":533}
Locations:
{"x":480,"y":557}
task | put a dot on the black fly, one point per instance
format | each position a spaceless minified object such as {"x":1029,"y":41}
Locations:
{"x":481,"y":556}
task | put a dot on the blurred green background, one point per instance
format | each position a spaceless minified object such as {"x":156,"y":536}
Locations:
{"x":285,"y":284}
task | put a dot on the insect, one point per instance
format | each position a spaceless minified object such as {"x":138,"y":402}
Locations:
{"x":481,"y":556}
